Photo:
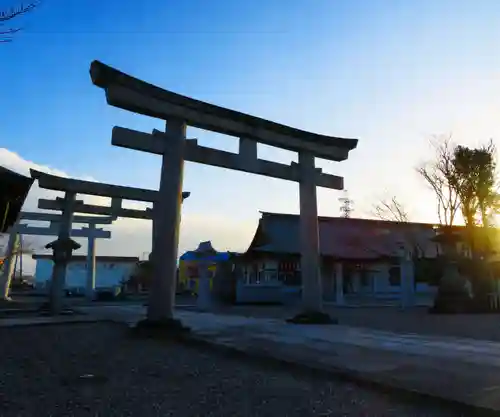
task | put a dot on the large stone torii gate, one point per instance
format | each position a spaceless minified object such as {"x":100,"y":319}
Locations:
{"x":71,"y":187}
{"x":132,"y":94}
{"x":91,"y":232}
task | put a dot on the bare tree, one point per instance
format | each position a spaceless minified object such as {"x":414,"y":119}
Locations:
{"x":391,"y":210}
{"x":7,"y":16}
{"x":439,"y":174}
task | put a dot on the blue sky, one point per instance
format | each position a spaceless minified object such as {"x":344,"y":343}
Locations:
{"x":389,"y":72}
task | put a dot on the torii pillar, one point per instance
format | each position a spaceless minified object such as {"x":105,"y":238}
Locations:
{"x":312,"y":295}
{"x":91,"y":266}
{"x":312,"y":291}
{"x":166,"y":225}
{"x":185,"y":194}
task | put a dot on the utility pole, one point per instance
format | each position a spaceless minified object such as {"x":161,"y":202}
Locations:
{"x":346,"y":207}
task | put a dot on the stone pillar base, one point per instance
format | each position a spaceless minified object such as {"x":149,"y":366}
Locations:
{"x":46,"y":310}
{"x":451,"y":303}
{"x":312,"y":317}
{"x":167,"y":328}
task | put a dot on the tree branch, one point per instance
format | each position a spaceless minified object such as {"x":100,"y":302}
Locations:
{"x":14,"y":12}
{"x":17,"y":11}
{"x":439,"y":174}
{"x":391,"y":210}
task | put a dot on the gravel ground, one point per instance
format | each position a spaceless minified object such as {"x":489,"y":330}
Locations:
{"x":96,"y":370}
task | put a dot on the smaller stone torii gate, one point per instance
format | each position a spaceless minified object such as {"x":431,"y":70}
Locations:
{"x":137,"y":96}
{"x":117,"y":193}
{"x":71,"y":187}
{"x":91,"y":232}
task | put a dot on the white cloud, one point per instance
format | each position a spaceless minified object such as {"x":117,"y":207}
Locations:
{"x":129,"y":237}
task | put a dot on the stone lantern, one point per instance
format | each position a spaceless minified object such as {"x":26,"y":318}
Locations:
{"x":407,"y":273}
{"x":205,"y":255}
{"x":453,"y":294}
{"x":62,"y":251}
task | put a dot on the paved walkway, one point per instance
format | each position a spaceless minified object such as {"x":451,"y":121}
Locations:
{"x":458,"y":369}
{"x":462,"y":370}
{"x":467,"y":350}
{"x":212,"y":325}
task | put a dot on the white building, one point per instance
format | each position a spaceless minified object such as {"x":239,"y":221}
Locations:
{"x":111,"y":271}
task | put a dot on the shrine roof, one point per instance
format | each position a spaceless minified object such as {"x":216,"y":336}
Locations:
{"x":14,"y":188}
{"x":343,"y":238}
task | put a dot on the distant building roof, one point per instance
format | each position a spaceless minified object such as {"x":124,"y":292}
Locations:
{"x":80,"y":258}
{"x":208,"y":251}
{"x":343,"y":238}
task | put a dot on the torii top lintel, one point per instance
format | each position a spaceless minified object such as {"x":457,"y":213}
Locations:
{"x":133,"y":94}
{"x":53,"y":182}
